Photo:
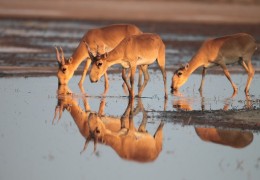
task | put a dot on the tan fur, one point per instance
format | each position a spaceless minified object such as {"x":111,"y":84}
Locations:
{"x":134,"y":50}
{"x":67,"y":100}
{"x":129,"y":143}
{"x":138,"y":144}
{"x":232,"y":138}
{"x":102,"y":39}
{"x":220,"y":52}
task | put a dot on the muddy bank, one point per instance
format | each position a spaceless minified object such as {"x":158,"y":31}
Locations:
{"x":244,"y":119}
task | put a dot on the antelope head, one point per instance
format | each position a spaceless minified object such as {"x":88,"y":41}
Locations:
{"x":179,"y":77}
{"x":64,"y":95}
{"x":99,"y":65}
{"x":65,"y":71}
{"x":96,"y":130}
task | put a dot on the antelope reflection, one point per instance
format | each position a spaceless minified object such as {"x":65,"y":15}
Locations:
{"x":185,"y":104}
{"x":118,"y":133}
{"x":129,"y":143}
{"x":232,"y":138}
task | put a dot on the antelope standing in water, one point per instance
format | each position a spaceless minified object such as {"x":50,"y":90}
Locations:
{"x":102,"y":39}
{"x":220,"y":52}
{"x":134,"y":50}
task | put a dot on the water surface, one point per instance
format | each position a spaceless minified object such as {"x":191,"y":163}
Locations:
{"x":32,"y":147}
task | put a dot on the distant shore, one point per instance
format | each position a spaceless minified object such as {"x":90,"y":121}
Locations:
{"x":145,"y":10}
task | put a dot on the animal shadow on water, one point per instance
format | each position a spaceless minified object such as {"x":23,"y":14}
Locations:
{"x":117,"y":132}
{"x":226,"y":137}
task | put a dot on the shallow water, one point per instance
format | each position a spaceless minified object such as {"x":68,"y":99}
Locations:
{"x":32,"y":147}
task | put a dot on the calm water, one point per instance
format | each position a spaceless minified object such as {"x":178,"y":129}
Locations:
{"x":34,"y":148}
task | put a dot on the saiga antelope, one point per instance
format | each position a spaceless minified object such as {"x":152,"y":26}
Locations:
{"x":102,"y":39}
{"x":220,"y":52}
{"x":134,"y":50}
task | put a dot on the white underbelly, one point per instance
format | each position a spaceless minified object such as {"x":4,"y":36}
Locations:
{"x":232,"y":61}
{"x":125,"y":64}
{"x":209,"y":65}
{"x":144,"y":61}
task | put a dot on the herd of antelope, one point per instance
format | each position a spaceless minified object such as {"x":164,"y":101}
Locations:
{"x":127,"y":45}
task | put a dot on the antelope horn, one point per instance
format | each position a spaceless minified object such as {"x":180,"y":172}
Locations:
{"x":95,"y":144}
{"x":87,"y":45}
{"x":62,"y":56}
{"x":89,"y":51}
{"x":85,"y":145}
{"x":58,"y":55}
{"x":58,"y":109}
{"x":55,"y":114}
{"x":97,"y":50}
{"x":61,"y":110}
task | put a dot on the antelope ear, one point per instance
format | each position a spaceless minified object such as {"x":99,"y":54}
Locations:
{"x":105,"y":55}
{"x":89,"y":51}
{"x":70,"y":60}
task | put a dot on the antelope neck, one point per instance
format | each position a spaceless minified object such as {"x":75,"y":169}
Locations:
{"x":79,"y":117}
{"x":78,"y":56}
{"x":113,"y":58}
{"x":195,"y":62}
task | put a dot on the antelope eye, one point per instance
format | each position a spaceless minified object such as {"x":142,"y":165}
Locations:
{"x":97,"y":131}
{"x":63,"y":70}
{"x":179,"y":73}
{"x":99,"y":64}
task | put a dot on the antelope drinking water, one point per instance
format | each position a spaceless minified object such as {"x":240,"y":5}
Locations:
{"x":134,"y":50}
{"x":220,"y":52}
{"x":105,"y":38}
